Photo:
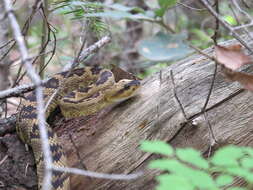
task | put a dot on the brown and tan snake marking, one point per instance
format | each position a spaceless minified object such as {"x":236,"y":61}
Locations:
{"x":86,"y":91}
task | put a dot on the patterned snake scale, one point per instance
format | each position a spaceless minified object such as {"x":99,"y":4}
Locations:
{"x":84,"y":92}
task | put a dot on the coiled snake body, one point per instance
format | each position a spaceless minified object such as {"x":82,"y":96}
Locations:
{"x":84,"y":92}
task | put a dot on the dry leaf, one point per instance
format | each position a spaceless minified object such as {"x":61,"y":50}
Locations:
{"x":232,"y":56}
{"x":246,"y":80}
{"x":235,"y":47}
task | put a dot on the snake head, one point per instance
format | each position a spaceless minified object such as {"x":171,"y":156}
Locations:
{"x":122,"y":90}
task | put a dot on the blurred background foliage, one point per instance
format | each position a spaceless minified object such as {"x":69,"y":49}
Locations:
{"x":146,"y":35}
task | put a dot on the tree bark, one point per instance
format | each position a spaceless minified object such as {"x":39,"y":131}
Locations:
{"x":108,"y":141}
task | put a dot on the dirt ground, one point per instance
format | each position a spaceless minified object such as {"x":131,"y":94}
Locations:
{"x":16,"y":165}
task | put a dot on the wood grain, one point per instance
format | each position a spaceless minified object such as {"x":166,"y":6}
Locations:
{"x":109,"y":142}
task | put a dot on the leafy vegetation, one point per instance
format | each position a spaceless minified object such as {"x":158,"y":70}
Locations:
{"x":186,"y":169}
{"x":176,"y":38}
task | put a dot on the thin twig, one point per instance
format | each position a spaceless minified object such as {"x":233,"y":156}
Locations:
{"x":225,"y":25}
{"x":175,"y":95}
{"x":17,"y":91}
{"x":26,"y":168}
{"x":39,"y":93}
{"x":211,"y":88}
{"x":189,"y":7}
{"x":93,"y":48}
{"x":25,"y":27}
{"x":54,"y":46}
{"x":18,"y":60}
{"x":81,"y":56}
{"x":243,"y":26}
{"x":42,"y":49}
{"x":202,"y":52}
{"x":250,"y":18}
{"x":159,"y":98}
{"x":4,"y":158}
{"x":98,"y":175}
{"x":214,"y":37}
{"x":44,"y":39}
{"x":37,"y":4}
{"x":77,"y":152}
{"x":4,"y":66}
{"x":5,"y":108}
{"x":211,"y":133}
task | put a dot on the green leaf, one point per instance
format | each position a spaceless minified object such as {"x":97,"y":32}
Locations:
{"x":227,"y":156}
{"x":169,"y":165}
{"x":164,"y":47}
{"x":119,"y":15}
{"x":192,"y":156}
{"x":160,"y":12}
{"x":76,"y":12}
{"x":240,"y":172}
{"x":247,"y":162}
{"x":224,"y":180}
{"x":120,"y":7}
{"x":230,"y":19}
{"x":164,"y":6}
{"x":173,"y":182}
{"x":158,"y":147}
{"x":198,"y":178}
{"x":67,"y":7}
{"x":167,"y":3}
{"x":201,"y":35}
{"x":248,"y":150}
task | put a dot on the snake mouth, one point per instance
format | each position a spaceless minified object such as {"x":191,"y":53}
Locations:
{"x":128,"y":90}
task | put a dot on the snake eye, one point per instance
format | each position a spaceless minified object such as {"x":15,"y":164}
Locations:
{"x":125,"y":89}
{"x":133,"y":83}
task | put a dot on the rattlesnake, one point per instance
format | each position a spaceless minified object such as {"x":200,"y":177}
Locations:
{"x":85,"y":91}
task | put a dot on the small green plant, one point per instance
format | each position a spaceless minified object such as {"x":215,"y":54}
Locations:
{"x":186,"y":169}
{"x":77,"y":10}
{"x":94,"y":12}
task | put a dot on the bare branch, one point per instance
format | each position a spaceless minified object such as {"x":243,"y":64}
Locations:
{"x":92,"y":49}
{"x":39,"y":93}
{"x":189,"y":7}
{"x":176,"y":97}
{"x":4,"y":66}
{"x":17,"y":91}
{"x":245,"y":29}
{"x":225,"y":24}
{"x":98,"y":175}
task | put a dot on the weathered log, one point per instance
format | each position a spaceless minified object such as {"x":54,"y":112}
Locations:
{"x":108,"y":142}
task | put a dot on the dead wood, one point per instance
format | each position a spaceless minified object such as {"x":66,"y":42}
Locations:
{"x":108,"y":142}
